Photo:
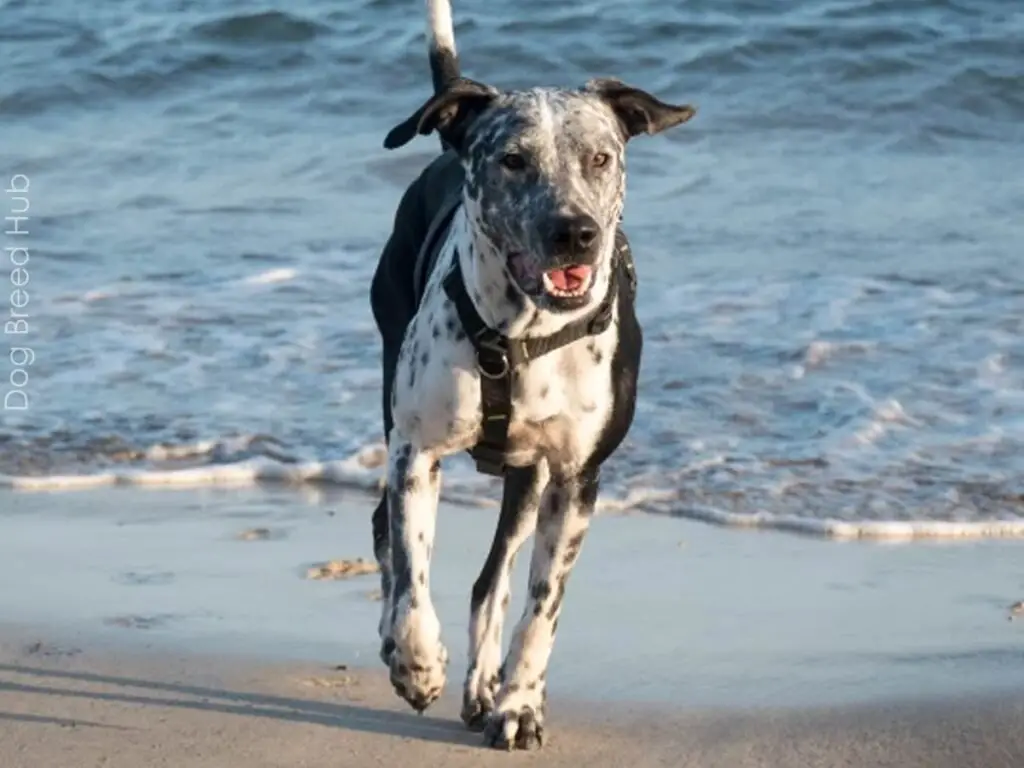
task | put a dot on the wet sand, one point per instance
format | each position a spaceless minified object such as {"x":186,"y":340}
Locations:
{"x":143,"y":628}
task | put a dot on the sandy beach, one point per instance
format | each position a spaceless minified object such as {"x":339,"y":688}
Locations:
{"x":147,"y":628}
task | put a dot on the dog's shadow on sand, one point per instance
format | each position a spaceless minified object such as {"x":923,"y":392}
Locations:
{"x":126,"y":690}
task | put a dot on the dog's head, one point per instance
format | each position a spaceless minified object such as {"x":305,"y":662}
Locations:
{"x":546,"y":176}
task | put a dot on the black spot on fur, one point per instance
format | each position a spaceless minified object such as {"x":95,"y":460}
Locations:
{"x":449,"y":325}
{"x":424,"y":359}
{"x":435,"y":332}
{"x":511,"y":295}
{"x":540,"y":592}
{"x":553,"y":505}
{"x":572,"y":551}
{"x":504,"y":602}
{"x":460,"y":334}
{"x":422,"y":578}
{"x":544,"y":391}
{"x":556,"y":604}
{"x":420,"y":537}
{"x":588,"y":493}
{"x":401,"y":569}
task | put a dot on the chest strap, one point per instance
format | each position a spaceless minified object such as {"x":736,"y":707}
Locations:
{"x":497,"y":356}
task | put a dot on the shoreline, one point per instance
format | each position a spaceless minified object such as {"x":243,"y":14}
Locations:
{"x":351,"y":475}
{"x":687,"y":614}
{"x":678,"y":639}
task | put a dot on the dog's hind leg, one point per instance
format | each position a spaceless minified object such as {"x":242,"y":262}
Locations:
{"x":412,"y":637}
{"x":491,"y":592}
{"x":562,"y":523}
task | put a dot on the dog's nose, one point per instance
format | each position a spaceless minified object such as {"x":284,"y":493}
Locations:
{"x":576,"y":233}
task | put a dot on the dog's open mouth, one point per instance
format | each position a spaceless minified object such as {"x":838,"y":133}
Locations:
{"x":568,"y":282}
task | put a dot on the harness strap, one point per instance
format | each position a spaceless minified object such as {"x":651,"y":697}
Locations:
{"x":497,"y":356}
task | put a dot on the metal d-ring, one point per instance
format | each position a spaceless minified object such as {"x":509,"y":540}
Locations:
{"x":501,"y":356}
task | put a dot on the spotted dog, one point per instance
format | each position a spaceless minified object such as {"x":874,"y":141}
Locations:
{"x":505,"y":302}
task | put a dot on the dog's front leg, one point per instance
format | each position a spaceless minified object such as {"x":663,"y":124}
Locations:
{"x":412,"y":643}
{"x":520,"y":501}
{"x":563,"y":519}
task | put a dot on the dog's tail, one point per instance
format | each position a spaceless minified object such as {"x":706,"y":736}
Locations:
{"x":444,"y":61}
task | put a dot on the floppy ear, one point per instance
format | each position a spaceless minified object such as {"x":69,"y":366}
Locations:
{"x":449,"y":113}
{"x":637,"y":110}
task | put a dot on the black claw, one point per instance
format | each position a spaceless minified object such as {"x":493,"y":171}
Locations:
{"x":386,"y":649}
{"x":474,"y":714}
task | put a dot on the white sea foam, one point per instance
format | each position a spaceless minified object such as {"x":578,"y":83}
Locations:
{"x":281,"y":275}
{"x":363,"y":471}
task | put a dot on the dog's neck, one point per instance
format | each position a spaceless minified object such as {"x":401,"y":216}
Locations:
{"x":496,"y":296}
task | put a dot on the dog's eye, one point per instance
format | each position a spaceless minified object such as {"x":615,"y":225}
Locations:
{"x":600,"y":160}
{"x":513,"y":161}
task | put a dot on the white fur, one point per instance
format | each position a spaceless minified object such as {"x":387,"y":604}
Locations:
{"x":419,"y":660}
{"x":440,"y":29}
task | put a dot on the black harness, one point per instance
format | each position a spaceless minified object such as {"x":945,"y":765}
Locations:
{"x":496,"y":355}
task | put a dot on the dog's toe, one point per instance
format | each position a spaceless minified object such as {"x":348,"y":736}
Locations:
{"x":419,"y":682}
{"x":478,"y":697}
{"x":515,"y":729}
{"x":475,"y":713}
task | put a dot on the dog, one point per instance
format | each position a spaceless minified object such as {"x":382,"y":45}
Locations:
{"x":505,"y":302}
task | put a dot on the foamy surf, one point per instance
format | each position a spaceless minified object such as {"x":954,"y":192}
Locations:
{"x":363,"y":471}
{"x":271,"y":276}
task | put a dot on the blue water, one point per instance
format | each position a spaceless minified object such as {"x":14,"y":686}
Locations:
{"x":830,"y":254}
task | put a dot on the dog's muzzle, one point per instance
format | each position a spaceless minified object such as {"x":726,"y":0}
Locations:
{"x":565,"y":274}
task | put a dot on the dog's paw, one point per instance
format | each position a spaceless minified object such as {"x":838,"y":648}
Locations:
{"x":520,"y":728}
{"x":478,"y":699}
{"x":418,"y":680}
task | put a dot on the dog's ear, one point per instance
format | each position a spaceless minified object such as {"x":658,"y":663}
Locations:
{"x":449,"y":113}
{"x":638,"y":111}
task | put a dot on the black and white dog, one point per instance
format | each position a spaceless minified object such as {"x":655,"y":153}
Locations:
{"x":505,"y":301}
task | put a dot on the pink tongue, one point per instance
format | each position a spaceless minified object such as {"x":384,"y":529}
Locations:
{"x":569,"y":279}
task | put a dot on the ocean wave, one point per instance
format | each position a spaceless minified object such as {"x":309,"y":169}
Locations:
{"x":946,"y":62}
{"x":265,"y":27}
{"x":254,"y":460}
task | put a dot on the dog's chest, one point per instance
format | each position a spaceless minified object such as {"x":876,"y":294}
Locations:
{"x":560,"y":402}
